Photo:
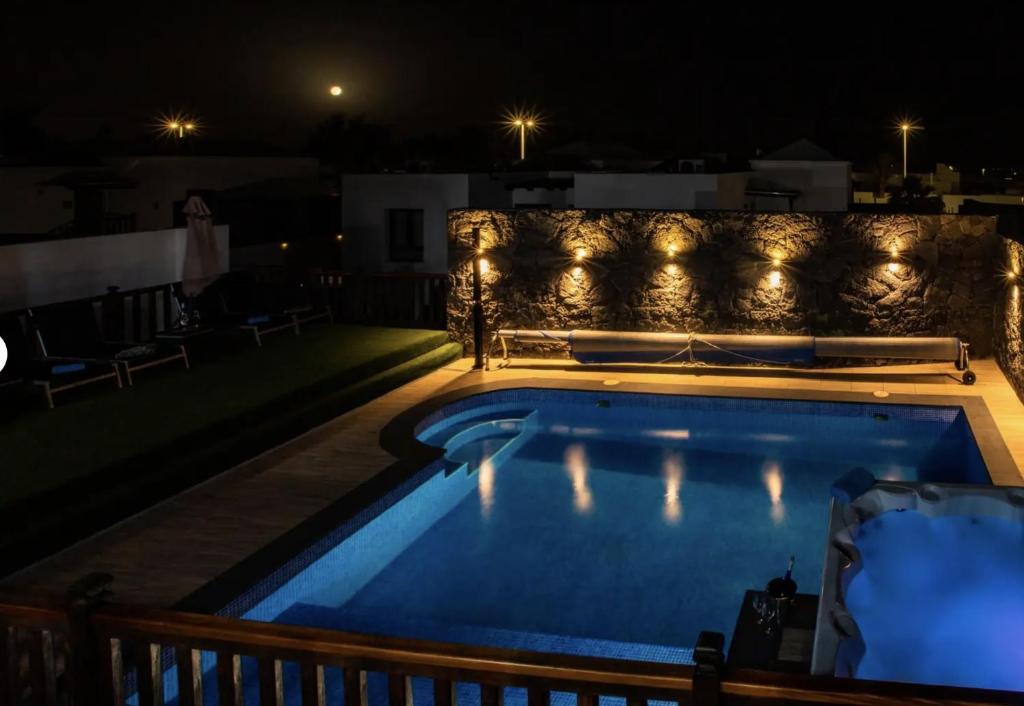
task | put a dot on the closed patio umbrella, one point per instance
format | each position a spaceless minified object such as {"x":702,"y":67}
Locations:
{"x":202,"y":257}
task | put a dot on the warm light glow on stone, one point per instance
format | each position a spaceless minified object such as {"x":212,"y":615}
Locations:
{"x":775,"y":278}
{"x":672,"y":268}
{"x":581,"y":253}
{"x":672,"y":250}
{"x":577,"y":271}
{"x":485,"y":266}
{"x":894,"y":267}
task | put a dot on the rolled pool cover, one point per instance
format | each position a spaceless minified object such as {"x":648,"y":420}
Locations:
{"x":635,"y":347}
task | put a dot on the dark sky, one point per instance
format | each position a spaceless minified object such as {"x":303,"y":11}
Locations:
{"x":668,"y":77}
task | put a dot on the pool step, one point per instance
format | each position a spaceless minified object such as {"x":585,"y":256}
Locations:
{"x":515,"y":432}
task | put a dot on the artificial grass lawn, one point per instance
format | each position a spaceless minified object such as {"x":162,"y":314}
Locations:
{"x":169,"y":413}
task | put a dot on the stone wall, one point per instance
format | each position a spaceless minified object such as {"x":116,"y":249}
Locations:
{"x":1008,"y":320}
{"x":837,"y":274}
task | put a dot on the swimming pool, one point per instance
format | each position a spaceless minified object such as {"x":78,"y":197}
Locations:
{"x":602,"y":523}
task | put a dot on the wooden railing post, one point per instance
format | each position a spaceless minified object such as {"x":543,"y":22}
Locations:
{"x":86,"y":666}
{"x":707,"y":675}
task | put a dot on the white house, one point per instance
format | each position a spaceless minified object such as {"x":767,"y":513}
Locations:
{"x":399,"y":222}
{"x":660,"y":191}
{"x":799,"y":177}
{"x":142,"y":191}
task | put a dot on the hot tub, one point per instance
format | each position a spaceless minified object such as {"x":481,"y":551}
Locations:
{"x":924,"y":583}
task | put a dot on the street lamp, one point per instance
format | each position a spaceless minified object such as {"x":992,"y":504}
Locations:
{"x":178,"y":125}
{"x":905,"y":128}
{"x":519,"y":123}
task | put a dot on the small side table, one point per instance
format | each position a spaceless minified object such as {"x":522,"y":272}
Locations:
{"x":787,"y":649}
{"x":183,"y":336}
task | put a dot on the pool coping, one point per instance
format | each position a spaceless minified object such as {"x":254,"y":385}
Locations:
{"x":399,"y":439}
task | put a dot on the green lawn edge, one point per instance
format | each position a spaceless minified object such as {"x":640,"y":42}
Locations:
{"x":39,"y":528}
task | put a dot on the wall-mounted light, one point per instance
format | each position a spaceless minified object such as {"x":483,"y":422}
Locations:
{"x":284,"y":245}
{"x":581,"y":253}
{"x":775,"y":278}
{"x":672,"y":250}
{"x":485,"y":266}
{"x":893,"y":265}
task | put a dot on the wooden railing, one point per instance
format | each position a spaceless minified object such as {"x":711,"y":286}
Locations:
{"x":409,"y":300}
{"x":89,"y":653}
{"x":136,"y":314}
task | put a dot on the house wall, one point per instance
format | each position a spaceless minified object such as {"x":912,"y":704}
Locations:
{"x":834,"y":280}
{"x":26,"y":207}
{"x":164,"y":181}
{"x":655,"y":191}
{"x":367,"y":198}
{"x":551,"y":198}
{"x":824,"y":186}
{"x":48,"y":271}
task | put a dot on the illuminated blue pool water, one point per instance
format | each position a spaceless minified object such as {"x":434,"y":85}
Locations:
{"x":939,"y":600}
{"x":601,"y":523}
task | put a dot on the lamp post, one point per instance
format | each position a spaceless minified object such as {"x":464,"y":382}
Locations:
{"x":478,"y":305}
{"x":905,"y":128}
{"x":519,"y":123}
{"x":523,"y":125}
{"x":178,"y":126}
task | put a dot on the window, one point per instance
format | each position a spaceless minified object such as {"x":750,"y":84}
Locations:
{"x":405,"y":234}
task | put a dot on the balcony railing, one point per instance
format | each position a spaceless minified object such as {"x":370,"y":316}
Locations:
{"x":81,"y":651}
{"x":408,"y":300}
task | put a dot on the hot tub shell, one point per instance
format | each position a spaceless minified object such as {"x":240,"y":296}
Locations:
{"x":838,"y":643}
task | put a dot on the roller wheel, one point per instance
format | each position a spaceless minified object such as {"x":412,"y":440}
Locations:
{"x":969,"y":377}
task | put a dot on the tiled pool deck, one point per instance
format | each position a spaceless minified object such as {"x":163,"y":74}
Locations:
{"x":166,"y":553}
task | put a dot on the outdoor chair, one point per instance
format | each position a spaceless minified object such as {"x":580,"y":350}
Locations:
{"x":72,"y":332}
{"x":52,"y":374}
{"x":237,"y":300}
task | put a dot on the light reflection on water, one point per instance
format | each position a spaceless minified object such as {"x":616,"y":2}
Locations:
{"x":772,"y":477}
{"x":485,"y":486}
{"x":673,"y":470}
{"x":577,"y":467}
